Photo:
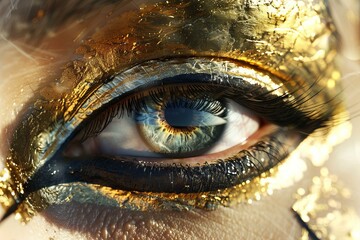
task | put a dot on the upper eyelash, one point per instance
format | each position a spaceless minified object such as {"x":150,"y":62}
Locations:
{"x":135,"y":102}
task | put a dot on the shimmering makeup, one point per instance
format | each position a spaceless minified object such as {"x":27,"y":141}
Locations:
{"x":321,"y":209}
{"x":289,"y":46}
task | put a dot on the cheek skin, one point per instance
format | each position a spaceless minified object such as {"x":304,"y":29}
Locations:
{"x":247,"y":222}
{"x":269,"y":218}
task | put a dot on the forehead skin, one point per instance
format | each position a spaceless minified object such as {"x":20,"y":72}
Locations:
{"x":23,"y":69}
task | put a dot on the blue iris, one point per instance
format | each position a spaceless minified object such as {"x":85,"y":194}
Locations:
{"x":181,"y":126}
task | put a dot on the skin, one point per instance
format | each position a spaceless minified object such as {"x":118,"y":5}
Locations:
{"x":23,"y":70}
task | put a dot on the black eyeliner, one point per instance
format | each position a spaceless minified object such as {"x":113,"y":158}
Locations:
{"x":127,"y":174}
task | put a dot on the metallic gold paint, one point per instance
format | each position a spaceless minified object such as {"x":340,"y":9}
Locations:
{"x":321,"y":208}
{"x":292,"y":40}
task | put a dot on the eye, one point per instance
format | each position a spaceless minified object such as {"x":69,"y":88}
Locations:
{"x":173,"y":127}
{"x":179,"y":151}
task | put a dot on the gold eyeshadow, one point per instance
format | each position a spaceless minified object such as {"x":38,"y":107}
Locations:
{"x":292,"y":41}
{"x":320,"y":209}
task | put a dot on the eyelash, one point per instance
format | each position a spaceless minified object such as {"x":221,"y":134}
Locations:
{"x":258,"y":100}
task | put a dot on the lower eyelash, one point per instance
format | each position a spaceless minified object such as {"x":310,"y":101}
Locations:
{"x":132,"y":175}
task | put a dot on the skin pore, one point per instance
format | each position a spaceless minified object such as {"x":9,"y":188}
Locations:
{"x":25,"y":67}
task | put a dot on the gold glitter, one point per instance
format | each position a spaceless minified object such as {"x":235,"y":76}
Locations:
{"x":6,"y":191}
{"x":322,"y":209}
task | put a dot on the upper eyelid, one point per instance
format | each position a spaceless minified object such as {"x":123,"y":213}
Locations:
{"x":324,"y":31}
{"x":300,"y":64}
